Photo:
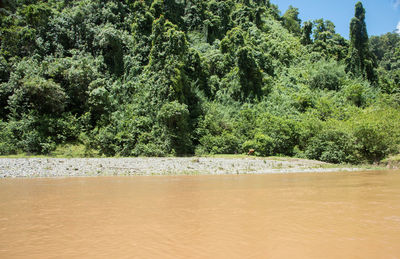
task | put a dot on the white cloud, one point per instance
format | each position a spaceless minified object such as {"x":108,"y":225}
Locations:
{"x":398,"y":28}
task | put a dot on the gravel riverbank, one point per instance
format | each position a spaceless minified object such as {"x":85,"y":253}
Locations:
{"x":71,"y":167}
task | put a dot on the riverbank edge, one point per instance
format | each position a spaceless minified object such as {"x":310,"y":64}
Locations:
{"x":34,"y":167}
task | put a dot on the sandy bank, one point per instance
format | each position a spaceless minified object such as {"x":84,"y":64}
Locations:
{"x":62,"y":167}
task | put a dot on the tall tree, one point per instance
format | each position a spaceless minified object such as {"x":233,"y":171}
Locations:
{"x":323,"y":30}
{"x":291,"y":20}
{"x":327,"y":41}
{"x":306,"y":33}
{"x":360,"y":61}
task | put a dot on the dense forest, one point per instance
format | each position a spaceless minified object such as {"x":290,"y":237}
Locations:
{"x":182,"y":77}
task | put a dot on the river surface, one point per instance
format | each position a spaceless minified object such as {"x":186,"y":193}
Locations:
{"x":325,"y":215}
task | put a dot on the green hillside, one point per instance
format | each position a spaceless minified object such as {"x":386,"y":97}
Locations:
{"x":181,"y":77}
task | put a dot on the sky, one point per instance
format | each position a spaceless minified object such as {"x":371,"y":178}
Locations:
{"x":382,"y":16}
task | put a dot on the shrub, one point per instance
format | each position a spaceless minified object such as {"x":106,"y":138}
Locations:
{"x":226,"y":143}
{"x":377,"y":131}
{"x":358,"y":93}
{"x":282,"y":131}
{"x":39,"y":134}
{"x":7,"y":140}
{"x":327,"y":75}
{"x":38,"y":93}
{"x":105,"y":142}
{"x":175,"y":116}
{"x":334,"y":144}
{"x":263,"y":145}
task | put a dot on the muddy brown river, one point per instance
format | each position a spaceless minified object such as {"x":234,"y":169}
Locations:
{"x":312,"y":215}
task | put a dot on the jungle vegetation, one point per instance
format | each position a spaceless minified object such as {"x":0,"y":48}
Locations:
{"x":183,"y":77}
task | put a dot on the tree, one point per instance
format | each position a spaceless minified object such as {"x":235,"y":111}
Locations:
{"x":194,"y":14}
{"x":386,"y":50}
{"x":141,"y":29}
{"x":360,"y":61}
{"x":37,"y":15}
{"x":306,"y":33}
{"x":291,"y":20}
{"x":323,"y":30}
{"x":327,"y":41}
{"x":109,"y":41}
{"x":219,"y":19}
{"x":249,"y":74}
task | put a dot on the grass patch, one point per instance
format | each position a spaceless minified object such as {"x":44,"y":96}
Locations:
{"x":391,"y":162}
{"x":70,"y":150}
{"x":395,"y":159}
{"x":62,"y":151}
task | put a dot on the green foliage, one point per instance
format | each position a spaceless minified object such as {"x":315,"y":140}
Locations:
{"x":175,"y":117}
{"x":7,"y":141}
{"x":75,"y":75}
{"x":160,"y":78}
{"x":280,"y":130}
{"x":226,"y":143}
{"x":306,"y":33}
{"x":291,"y":20}
{"x":219,"y":20}
{"x":333,"y":144}
{"x":250,"y":75}
{"x":327,"y":41}
{"x":215,"y":130}
{"x":366,"y":136}
{"x":195,"y":14}
{"x":323,"y":30}
{"x":38,"y":94}
{"x":109,"y":41}
{"x":262,"y":144}
{"x":34,"y":133}
{"x":360,"y":61}
{"x":386,"y":49}
{"x":377,"y":130}
{"x":37,"y":15}
{"x":326,"y":75}
{"x":28,"y":90}
{"x":17,"y":41}
{"x":358,"y":93}
{"x":233,"y":39}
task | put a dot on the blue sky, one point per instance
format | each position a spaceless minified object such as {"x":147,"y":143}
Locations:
{"x":382,"y":16}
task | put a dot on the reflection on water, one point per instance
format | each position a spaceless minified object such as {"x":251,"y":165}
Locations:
{"x":334,"y":215}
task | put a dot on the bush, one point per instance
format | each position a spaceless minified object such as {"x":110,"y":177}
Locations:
{"x":149,"y":149}
{"x":334,"y":144}
{"x":327,"y":75}
{"x":175,"y":116}
{"x":282,"y":131}
{"x":33,"y":92}
{"x":226,"y":143}
{"x":377,"y":130}
{"x":263,"y":145}
{"x":7,"y":140}
{"x":105,"y":141}
{"x":358,"y":93}
{"x":36,"y":143}
{"x":39,"y":134}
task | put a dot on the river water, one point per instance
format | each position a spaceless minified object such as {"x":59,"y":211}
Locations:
{"x":325,"y":215}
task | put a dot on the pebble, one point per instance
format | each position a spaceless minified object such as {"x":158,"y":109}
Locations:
{"x":64,"y":167}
